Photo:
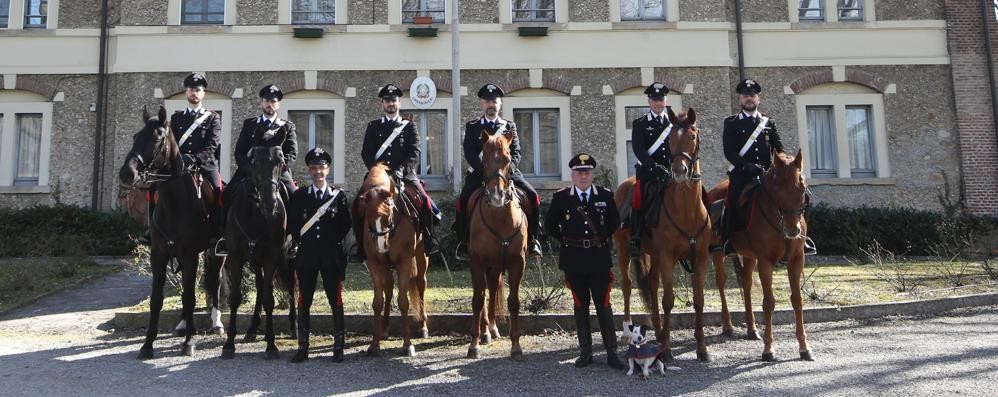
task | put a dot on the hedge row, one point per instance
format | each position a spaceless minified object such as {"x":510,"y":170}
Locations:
{"x":64,"y":230}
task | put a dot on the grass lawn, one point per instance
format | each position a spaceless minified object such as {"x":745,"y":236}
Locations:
{"x":826,"y":284}
{"x":23,"y":280}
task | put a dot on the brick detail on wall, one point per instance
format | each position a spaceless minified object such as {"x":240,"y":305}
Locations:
{"x":853,"y":76}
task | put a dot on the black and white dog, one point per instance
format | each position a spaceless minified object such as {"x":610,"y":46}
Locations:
{"x":642,"y":353}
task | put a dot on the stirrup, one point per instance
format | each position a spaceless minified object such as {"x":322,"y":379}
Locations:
{"x":729,"y":250}
{"x":809,"y":247}
{"x":459,"y":254}
{"x":356,"y":254}
{"x":221,"y":250}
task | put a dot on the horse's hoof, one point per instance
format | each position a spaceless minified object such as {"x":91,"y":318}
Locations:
{"x":806,"y":355}
{"x":374,"y":351}
{"x":704,"y":357}
{"x":768,"y":357}
{"x":516,"y":355}
{"x":473,"y":353}
{"x":486,"y":338}
{"x":424,"y":333}
{"x":752,"y":335}
{"x":271,"y":354}
{"x":409,"y":351}
{"x":187,"y":349}
{"x":228,"y":353}
{"x":667,"y":356}
{"x":728,"y":332}
{"x":145,"y":353}
{"x":217,"y":331}
{"x":249,"y":338}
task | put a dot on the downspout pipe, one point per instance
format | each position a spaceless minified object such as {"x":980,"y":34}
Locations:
{"x":101,"y":108}
{"x":739,"y":39}
{"x":991,"y":66}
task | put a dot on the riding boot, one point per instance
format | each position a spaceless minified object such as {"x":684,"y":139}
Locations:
{"x":533,"y":223}
{"x":303,"y":331}
{"x":461,"y":229}
{"x":339,"y":335}
{"x":357,"y":254}
{"x":221,"y":250}
{"x":585,"y":335}
{"x":429,"y":238}
{"x":605,"y":317}
{"x":637,"y":223}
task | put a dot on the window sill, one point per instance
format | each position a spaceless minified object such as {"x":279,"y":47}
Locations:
{"x":852,"y":181}
{"x":25,"y":190}
{"x":644,"y":25}
{"x":548,"y":183}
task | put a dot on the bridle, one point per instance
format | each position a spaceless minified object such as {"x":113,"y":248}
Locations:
{"x":692,"y":160}
{"x":150,"y":173}
{"x":506,"y":193}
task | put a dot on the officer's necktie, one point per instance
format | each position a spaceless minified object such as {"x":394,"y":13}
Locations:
{"x":658,"y":119}
{"x":318,"y":194}
{"x":585,"y":198}
{"x":491,"y":125}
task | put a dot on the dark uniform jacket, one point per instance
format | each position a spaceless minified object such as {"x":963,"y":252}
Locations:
{"x":566,"y":223}
{"x":244,"y":144}
{"x":737,"y":129}
{"x":402,"y":154}
{"x":473,"y":143}
{"x":203,"y":141}
{"x":645,"y":130}
{"x":322,"y":244}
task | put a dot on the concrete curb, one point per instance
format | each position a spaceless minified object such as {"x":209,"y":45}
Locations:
{"x":446,"y":323}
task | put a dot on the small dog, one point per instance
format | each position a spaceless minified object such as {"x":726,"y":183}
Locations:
{"x":641,"y":353}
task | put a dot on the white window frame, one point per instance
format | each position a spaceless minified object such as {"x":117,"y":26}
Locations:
{"x":15,"y":18}
{"x":217,"y":102}
{"x":560,"y":12}
{"x":832,"y":12}
{"x":839,"y":102}
{"x":338,"y":106}
{"x":284,"y":8}
{"x":175,"y":7}
{"x":632,"y":98}
{"x":669,"y":7}
{"x":395,"y":13}
{"x":443,"y":102}
{"x":8,"y":142}
{"x":542,"y":99}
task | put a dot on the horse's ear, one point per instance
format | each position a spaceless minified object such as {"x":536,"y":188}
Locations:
{"x":671,"y":114}
{"x":145,"y":114}
{"x":280,"y":136}
{"x":507,"y":139}
{"x":258,"y":134}
{"x":799,"y":159}
{"x":162,"y":116}
{"x":484,"y":137}
{"x":776,"y":157}
{"x":691,"y":117}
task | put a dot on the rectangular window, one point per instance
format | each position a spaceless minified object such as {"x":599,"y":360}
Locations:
{"x":432,"y":127}
{"x":538,"y":130}
{"x":313,"y":12}
{"x":202,"y":12}
{"x":314,"y":129}
{"x":533,"y":10}
{"x":4,"y":13}
{"x":36,"y":13}
{"x":631,"y":113}
{"x":28,"y":149}
{"x":637,"y":10}
{"x":850,"y":10}
{"x":861,"y":154}
{"x":821,"y":130}
{"x":431,"y":8}
{"x":810,"y":10}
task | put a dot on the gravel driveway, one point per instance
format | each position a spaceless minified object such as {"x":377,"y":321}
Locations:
{"x":63,"y":345}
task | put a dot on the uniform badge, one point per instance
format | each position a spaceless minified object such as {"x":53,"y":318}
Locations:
{"x":568,"y":217}
{"x":601,"y":203}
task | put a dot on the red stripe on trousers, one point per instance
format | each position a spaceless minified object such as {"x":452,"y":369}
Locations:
{"x":636,"y":196}
{"x":574,"y":296}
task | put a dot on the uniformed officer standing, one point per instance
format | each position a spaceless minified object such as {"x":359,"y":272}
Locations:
{"x":197,"y":130}
{"x":584,"y":217}
{"x":394,"y":141}
{"x":270,"y":103}
{"x":490,"y":100}
{"x":319,"y":219}
{"x":649,"y":142}
{"x":749,"y":139}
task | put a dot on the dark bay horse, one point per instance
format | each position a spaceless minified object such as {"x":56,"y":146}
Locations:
{"x":775,"y":233}
{"x":181,"y":227}
{"x":683,"y":231}
{"x":498,"y":245}
{"x":394,"y":241}
{"x":256,"y":233}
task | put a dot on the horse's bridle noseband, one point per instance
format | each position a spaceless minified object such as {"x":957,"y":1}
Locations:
{"x":691,"y":174}
{"x":507,"y":193}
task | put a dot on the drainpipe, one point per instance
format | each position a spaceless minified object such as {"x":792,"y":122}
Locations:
{"x":95,"y":197}
{"x":991,"y":66}
{"x":738,"y":35}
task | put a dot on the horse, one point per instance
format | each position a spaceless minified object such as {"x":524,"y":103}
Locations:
{"x":181,"y":225}
{"x":683,"y":231}
{"x":780,"y":200}
{"x":256,"y":233}
{"x":498,"y":244}
{"x":394,"y":242}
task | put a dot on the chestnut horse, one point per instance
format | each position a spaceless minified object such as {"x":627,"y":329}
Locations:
{"x":181,"y":226}
{"x":775,"y":233}
{"x":498,"y":245}
{"x":394,"y":242}
{"x":683,"y":231}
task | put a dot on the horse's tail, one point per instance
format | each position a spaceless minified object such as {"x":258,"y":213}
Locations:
{"x":643,"y":276}
{"x":415,"y":300}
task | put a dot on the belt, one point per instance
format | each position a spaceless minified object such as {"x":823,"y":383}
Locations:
{"x":583,"y":243}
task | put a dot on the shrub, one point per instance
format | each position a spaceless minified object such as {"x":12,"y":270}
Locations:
{"x":65,"y":230}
